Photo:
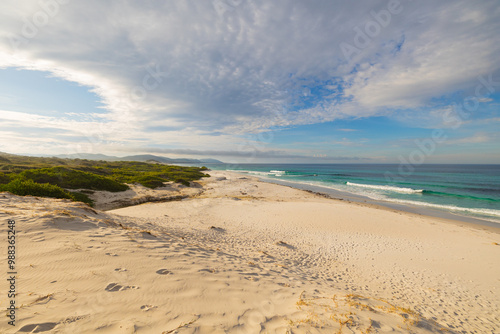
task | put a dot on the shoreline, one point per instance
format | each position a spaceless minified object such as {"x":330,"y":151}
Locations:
{"x":245,"y":256}
{"x":407,"y":208}
{"x":387,"y":205}
{"x":138,"y":194}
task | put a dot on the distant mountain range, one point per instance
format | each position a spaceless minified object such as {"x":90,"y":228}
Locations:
{"x":142,"y":157}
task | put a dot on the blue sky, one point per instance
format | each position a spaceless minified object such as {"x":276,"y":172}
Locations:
{"x":253,"y":81}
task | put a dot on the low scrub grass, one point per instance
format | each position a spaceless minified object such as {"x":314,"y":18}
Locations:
{"x":50,"y":177}
{"x":24,"y":187}
{"x":4,"y":179}
{"x":72,"y":179}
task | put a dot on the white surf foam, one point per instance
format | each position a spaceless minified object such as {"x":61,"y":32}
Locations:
{"x":249,"y":172}
{"x":476,"y":211}
{"x":386,"y":188}
{"x":494,"y":214}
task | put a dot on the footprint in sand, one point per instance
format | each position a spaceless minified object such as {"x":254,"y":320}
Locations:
{"x":113,"y":287}
{"x":37,"y":328}
{"x":146,"y":308}
{"x":120,"y":270}
{"x":111,"y":254}
{"x":163,"y":272}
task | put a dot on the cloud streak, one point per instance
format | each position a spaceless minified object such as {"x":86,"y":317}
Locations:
{"x":195,"y":71}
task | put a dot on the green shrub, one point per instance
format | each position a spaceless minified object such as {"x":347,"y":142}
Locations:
{"x":81,"y":197}
{"x":150,"y":181}
{"x":153,"y":176}
{"x":24,"y":187}
{"x":73,"y":179}
{"x":95,"y":175}
{"x":182,"y":181}
{"x":4,"y":179}
{"x":28,"y":187}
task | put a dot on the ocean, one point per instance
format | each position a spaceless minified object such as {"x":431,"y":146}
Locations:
{"x":463,"y":190}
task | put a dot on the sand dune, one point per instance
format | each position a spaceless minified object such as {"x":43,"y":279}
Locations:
{"x":243,"y":256}
{"x":138,"y":194}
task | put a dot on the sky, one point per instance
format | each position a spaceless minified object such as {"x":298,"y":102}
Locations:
{"x":243,"y":81}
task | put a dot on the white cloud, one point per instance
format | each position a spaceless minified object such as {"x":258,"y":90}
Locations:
{"x":455,"y":44}
{"x":183,"y":65}
{"x":476,"y":139}
{"x":484,"y":99}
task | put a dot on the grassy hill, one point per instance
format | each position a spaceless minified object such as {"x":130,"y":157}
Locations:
{"x":52,"y":177}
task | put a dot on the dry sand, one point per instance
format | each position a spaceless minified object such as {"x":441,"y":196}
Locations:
{"x":138,"y":194}
{"x":244,"y":256}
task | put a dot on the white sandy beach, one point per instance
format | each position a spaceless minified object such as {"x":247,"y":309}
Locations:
{"x":244,"y":256}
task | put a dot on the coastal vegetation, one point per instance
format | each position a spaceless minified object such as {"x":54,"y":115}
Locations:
{"x":73,"y":178}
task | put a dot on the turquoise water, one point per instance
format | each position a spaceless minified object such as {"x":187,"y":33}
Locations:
{"x":468,"y":190}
